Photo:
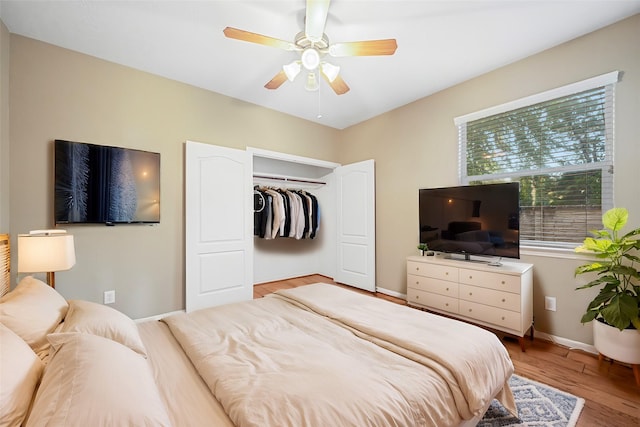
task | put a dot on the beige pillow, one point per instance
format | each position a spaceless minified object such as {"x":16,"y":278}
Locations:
{"x":97,"y":319}
{"x":20,"y":371}
{"x":33,"y":310}
{"x":94,"y":381}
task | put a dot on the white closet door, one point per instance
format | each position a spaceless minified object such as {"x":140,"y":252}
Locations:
{"x":219,"y":225}
{"x":356,"y":239}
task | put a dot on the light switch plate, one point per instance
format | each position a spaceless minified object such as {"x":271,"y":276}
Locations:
{"x":109,"y":297}
{"x":550,"y":303}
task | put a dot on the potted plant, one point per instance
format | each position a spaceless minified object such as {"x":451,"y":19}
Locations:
{"x":616,"y":308}
{"x":423,"y":247}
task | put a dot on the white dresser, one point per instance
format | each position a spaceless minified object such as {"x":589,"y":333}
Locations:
{"x":498,"y":297}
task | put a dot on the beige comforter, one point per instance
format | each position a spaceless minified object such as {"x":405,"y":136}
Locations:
{"x":320,"y":355}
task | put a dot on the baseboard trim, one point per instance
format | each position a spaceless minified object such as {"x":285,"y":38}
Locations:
{"x":391,"y":293}
{"x":157,"y":316}
{"x":565,"y":342}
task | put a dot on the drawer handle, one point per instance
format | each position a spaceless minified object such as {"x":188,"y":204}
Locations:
{"x":447,"y":289}
{"x":446,"y":274}
{"x":502,"y":317}
{"x":417,"y":296}
{"x":417,"y":282}
{"x":503,"y":300}
{"x":470,"y":310}
{"x":417,"y":268}
{"x":503,"y":282}
{"x":446,"y":304}
{"x":470,"y":293}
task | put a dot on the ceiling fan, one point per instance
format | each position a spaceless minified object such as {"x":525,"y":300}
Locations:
{"x":313,"y":45}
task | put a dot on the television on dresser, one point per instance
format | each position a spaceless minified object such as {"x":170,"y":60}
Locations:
{"x":471,"y":220}
{"x":99,"y":184}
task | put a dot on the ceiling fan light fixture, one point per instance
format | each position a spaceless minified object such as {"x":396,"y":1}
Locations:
{"x":292,"y":70}
{"x":330,"y":71}
{"x":312,"y":44}
{"x":310,"y":59}
{"x":312,"y":82}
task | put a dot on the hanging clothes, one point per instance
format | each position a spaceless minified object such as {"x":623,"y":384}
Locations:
{"x":277,"y":223}
{"x":260,"y":209}
{"x":287,"y":218}
{"x":282,"y":212}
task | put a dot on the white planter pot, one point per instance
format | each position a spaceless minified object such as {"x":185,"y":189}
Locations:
{"x":623,"y":346}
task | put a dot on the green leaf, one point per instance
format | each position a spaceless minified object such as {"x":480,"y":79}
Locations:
{"x":620,"y":311}
{"x":615,"y":218}
{"x":603,"y":298}
{"x":632,"y":233}
{"x":601,"y":233}
{"x":588,"y":316}
{"x":632,"y":257}
{"x":590,"y":268}
{"x":625,"y":270}
{"x":600,"y":280}
{"x":612,"y":284}
{"x":594,"y":245}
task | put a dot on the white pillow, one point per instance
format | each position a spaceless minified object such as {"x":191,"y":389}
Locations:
{"x":33,"y":310}
{"x":20,"y":371}
{"x":94,"y":381}
{"x":97,"y":319}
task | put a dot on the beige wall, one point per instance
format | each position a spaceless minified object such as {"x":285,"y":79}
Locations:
{"x":56,"y":93}
{"x":415,"y":146}
{"x":4,"y":128}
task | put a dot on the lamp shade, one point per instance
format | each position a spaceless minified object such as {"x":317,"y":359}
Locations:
{"x":292,"y":70}
{"x":45,"y":251}
{"x":330,"y":71}
{"x":312,"y":82}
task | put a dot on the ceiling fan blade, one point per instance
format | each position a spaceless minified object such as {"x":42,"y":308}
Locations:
{"x":364,"y":48}
{"x":338,"y":85}
{"x":234,"y":33}
{"x":316,"y":19}
{"x":277,"y":80}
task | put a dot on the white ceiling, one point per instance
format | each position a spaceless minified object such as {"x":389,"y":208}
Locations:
{"x":440,"y":43}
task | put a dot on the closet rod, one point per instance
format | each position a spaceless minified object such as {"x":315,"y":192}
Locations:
{"x":290,"y":179}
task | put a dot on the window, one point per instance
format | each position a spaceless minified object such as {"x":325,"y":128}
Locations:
{"x":559,"y":146}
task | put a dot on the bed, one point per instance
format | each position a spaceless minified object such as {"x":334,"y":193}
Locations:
{"x":316,"y":355}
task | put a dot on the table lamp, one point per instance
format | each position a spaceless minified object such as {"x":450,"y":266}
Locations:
{"x":46,"y":251}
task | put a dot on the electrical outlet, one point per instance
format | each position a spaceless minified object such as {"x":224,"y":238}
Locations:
{"x":550,"y":303}
{"x":109,"y":297}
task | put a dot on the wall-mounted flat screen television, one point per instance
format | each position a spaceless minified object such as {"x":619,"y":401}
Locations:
{"x":97,"y":184}
{"x":472,"y":220}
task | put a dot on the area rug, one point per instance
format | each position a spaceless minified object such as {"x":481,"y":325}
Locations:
{"x":538,"y":404}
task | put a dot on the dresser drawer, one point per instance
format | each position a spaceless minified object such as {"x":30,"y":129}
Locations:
{"x":436,"y":271}
{"x":499,"y":299}
{"x":436,"y":301}
{"x":501,"y":282}
{"x":496,"y":316}
{"x":429,"y":284}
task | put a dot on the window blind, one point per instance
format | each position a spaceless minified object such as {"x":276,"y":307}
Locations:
{"x":561,"y":152}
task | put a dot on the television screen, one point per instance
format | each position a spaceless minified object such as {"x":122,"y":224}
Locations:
{"x":472,"y":220}
{"x":103,"y":184}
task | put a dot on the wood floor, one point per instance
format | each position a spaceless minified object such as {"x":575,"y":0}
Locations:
{"x":611,"y":395}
